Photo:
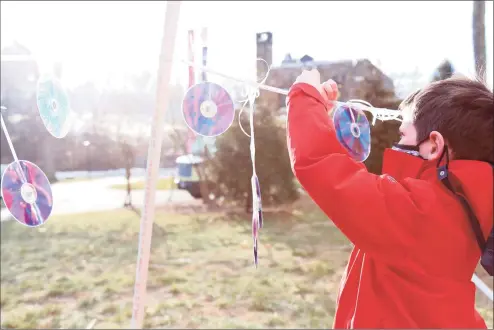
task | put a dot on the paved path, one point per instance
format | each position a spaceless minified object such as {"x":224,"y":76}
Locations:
{"x":96,"y":195}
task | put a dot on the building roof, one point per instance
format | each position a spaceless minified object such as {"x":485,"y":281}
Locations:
{"x":356,"y":79}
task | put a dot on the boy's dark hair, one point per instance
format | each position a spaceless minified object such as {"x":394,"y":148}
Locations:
{"x":459,"y":108}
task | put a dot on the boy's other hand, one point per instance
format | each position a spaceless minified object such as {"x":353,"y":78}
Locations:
{"x":330,"y":90}
{"x":330,"y":93}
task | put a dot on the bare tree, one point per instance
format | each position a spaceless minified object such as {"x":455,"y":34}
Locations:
{"x":479,"y":51}
{"x":128,"y":156}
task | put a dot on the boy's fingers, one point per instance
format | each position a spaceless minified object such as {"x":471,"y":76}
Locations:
{"x":330,"y":93}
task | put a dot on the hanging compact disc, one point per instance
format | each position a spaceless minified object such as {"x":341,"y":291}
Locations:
{"x":257,"y":219}
{"x":53,"y":106}
{"x":353,"y":131}
{"x":208,"y":109}
{"x":257,"y":201}
{"x":26,"y":193}
{"x":255,"y":233}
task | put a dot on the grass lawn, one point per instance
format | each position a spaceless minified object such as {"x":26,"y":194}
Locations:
{"x":80,"y":268}
{"x":163,"y":184}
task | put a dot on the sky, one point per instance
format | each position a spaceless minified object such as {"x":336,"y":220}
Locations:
{"x":94,"y":39}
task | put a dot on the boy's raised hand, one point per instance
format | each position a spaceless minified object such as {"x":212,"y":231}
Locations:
{"x":328,"y":90}
{"x":312,"y":77}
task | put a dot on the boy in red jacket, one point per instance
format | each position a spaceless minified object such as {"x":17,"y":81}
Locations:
{"x":415,"y":251}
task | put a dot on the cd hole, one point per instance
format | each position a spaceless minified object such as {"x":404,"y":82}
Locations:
{"x":355,"y":130}
{"x":28,"y":193}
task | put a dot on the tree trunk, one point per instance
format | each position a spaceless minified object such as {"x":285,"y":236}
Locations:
{"x":204,"y":180}
{"x":478,"y":30}
{"x":203,"y":184}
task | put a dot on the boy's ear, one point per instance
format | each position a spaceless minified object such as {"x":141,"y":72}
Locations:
{"x":436,"y":145}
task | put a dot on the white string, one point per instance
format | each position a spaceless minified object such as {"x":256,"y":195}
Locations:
{"x":382,"y":114}
{"x":252,"y":94}
{"x":9,"y":141}
{"x":252,"y":140}
{"x":12,"y":150}
{"x":240,"y":114}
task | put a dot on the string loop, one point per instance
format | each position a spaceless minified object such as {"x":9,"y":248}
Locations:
{"x":251,"y":95}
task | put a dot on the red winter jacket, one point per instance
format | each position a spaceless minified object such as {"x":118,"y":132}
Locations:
{"x":415,"y":252}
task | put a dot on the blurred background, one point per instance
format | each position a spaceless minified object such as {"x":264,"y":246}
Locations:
{"x":78,"y":269}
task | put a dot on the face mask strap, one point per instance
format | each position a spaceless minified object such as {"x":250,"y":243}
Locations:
{"x":411,"y":150}
{"x":444,"y":153}
{"x":406,"y":147}
{"x":443,"y":175}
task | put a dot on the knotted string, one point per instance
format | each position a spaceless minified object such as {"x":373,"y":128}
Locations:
{"x":257,"y":218}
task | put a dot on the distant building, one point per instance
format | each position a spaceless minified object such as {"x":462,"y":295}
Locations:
{"x":288,"y":59}
{"x":306,"y":59}
{"x":354,"y":77}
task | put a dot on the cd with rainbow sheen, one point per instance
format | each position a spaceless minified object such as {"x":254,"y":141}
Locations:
{"x":255,"y":233}
{"x":257,"y":200}
{"x":53,"y":105}
{"x":353,"y":131}
{"x":26,"y":192}
{"x":208,"y":109}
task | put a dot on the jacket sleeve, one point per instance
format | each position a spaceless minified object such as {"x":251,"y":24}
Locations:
{"x":376,"y":213}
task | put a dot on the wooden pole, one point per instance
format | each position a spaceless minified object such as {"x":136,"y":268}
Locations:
{"x":153,"y":160}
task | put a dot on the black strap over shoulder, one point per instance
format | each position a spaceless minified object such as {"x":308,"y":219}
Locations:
{"x":486,"y":248}
{"x":474,"y":222}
